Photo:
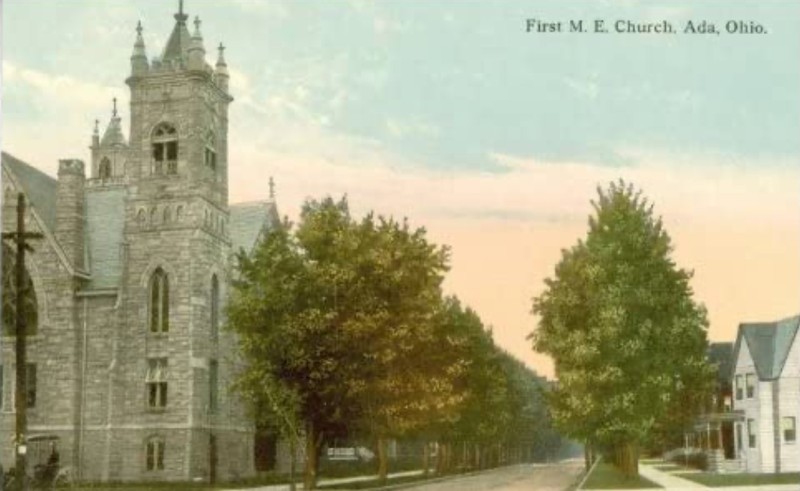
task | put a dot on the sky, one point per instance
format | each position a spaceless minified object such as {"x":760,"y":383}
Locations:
{"x":452,"y":115}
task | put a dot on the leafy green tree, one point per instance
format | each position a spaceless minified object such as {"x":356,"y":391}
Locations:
{"x":619,"y":320}
{"x":286,"y":307}
{"x":398,"y":292}
{"x":336,"y":314}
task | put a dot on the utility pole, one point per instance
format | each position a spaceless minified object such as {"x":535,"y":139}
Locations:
{"x":21,"y":394}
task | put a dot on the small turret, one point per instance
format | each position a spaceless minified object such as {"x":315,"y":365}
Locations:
{"x":113,"y":135}
{"x":221,"y":73}
{"x":196,"y":51}
{"x":139,"y":65}
{"x":96,"y":135}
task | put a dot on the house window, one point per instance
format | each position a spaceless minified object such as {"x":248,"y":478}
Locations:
{"x":751,"y":433}
{"x":739,"y":443}
{"x":213,"y":376}
{"x":155,"y":454}
{"x":751,"y":385}
{"x":165,"y":149}
{"x":214,"y":306}
{"x":104,"y":171}
{"x":159,"y":302}
{"x":789,"y":429}
{"x":739,"y":388}
{"x":156,"y":382}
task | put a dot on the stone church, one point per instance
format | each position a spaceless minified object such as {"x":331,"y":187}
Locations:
{"x":129,"y":367}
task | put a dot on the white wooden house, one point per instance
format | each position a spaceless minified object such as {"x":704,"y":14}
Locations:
{"x":766,"y":390}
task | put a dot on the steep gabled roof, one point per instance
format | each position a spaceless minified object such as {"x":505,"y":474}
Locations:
{"x":769,"y":344}
{"x":39,"y":188}
{"x":250,"y":221}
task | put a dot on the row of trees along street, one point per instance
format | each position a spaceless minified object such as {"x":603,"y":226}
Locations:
{"x":627,"y":338}
{"x":345,"y":333}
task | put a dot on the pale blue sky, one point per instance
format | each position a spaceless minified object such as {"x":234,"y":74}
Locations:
{"x":447,"y":84}
{"x":451,"y":114}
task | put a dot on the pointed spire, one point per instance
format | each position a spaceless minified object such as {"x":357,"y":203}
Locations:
{"x":196,"y":51}
{"x":271,"y":188}
{"x":113,"y":134}
{"x":139,"y":63}
{"x":180,"y":16}
{"x":179,"y":41}
{"x":221,"y":57}
{"x":96,"y":134}
{"x":221,"y":73}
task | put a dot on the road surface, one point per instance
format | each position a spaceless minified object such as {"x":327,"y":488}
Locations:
{"x":526,"y":477}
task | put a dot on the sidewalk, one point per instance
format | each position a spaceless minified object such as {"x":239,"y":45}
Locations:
{"x":675,"y":483}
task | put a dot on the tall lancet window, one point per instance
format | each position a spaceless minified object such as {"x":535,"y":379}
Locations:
{"x":104,"y":171}
{"x":165,"y":149}
{"x":214,"y":306}
{"x":210,"y":157}
{"x":159,"y":302}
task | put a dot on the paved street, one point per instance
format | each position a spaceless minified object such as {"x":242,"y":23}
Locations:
{"x":541,"y":477}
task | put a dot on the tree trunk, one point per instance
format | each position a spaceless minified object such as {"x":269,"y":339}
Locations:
{"x":426,"y":458}
{"x":477,"y":456}
{"x":312,"y":456}
{"x":628,"y":459}
{"x":439,"y":458}
{"x":292,"y":462}
{"x":383,"y":461}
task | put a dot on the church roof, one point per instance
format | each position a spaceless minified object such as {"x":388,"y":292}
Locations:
{"x":113,"y":134}
{"x":179,"y":40}
{"x":105,"y":212}
{"x":250,"y":221}
{"x":39,"y":188}
{"x":769,"y":344}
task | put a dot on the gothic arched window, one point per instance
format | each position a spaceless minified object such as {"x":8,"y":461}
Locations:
{"x":210,"y":156}
{"x":10,"y":297}
{"x":104,"y":171}
{"x":159,"y":301}
{"x":165,"y":149}
{"x":154,"y":453}
{"x":214,"y":306}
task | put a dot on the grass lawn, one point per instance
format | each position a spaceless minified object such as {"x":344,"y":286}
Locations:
{"x":606,"y":476}
{"x":718,"y":480}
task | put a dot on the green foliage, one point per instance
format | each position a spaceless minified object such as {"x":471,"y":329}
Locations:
{"x":345,"y":332}
{"x":9,"y":292}
{"x":620,"y":322}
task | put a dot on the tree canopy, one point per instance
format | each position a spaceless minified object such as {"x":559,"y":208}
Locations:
{"x":345,"y":331}
{"x":621,"y":324}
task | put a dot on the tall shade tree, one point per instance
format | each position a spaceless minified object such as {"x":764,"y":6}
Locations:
{"x":289,"y":308}
{"x":334,"y":319}
{"x":620,"y":323}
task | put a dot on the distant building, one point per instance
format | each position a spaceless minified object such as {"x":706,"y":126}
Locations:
{"x":767,"y":394}
{"x":713,"y":431}
{"x":129,"y":370}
